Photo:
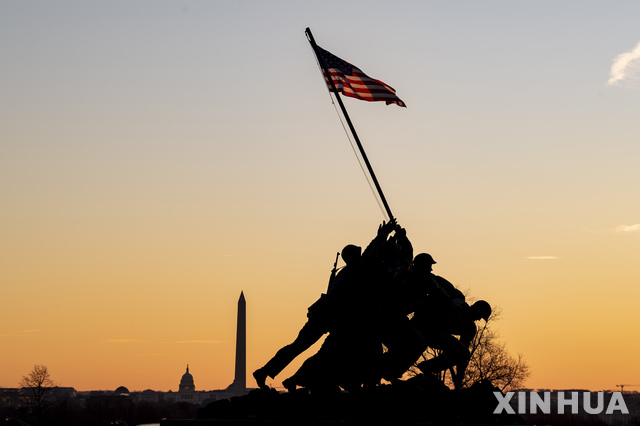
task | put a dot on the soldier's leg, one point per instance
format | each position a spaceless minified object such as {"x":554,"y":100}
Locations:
{"x":404,"y":345}
{"x":310,"y":333}
{"x":318,"y":372}
{"x":453,"y":353}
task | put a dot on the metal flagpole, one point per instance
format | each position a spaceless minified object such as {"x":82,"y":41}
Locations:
{"x":353,"y":130}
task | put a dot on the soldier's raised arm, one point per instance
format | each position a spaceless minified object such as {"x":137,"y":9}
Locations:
{"x":372,"y":251}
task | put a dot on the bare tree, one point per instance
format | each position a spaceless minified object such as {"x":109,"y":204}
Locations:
{"x":490,"y":360}
{"x":39,"y":389}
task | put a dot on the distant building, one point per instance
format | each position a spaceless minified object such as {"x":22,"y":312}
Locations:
{"x":239,"y":385}
{"x":9,"y":397}
{"x":122,"y":391}
{"x":186,"y":383}
{"x":149,"y":396}
{"x":187,"y":392}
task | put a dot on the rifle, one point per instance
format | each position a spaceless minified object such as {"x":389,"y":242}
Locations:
{"x":319,"y":308}
{"x":333,"y":271}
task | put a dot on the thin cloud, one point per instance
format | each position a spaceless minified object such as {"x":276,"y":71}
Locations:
{"x":625,"y":66}
{"x":18,"y":333}
{"x":541,"y":257}
{"x":628,"y":228}
{"x":173,"y":342}
{"x":152,"y":354}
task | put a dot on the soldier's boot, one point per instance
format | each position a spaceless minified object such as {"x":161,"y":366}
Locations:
{"x":261,"y":377}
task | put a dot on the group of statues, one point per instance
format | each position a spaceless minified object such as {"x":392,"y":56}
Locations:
{"x":381,"y":311}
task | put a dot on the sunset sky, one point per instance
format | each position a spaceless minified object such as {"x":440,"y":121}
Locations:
{"x":159,"y":157}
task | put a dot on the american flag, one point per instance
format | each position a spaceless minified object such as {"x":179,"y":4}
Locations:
{"x":352,"y":82}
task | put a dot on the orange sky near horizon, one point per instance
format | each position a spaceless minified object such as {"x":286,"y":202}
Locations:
{"x":158,"y":158}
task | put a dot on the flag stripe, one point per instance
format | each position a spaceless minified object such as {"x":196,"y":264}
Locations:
{"x":352,"y":82}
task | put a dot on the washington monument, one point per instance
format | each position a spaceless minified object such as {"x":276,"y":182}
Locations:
{"x":239,"y":385}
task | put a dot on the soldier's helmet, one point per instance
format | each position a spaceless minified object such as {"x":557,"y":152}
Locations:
{"x":423,"y":259}
{"x":350,"y":253}
{"x":482,"y":309}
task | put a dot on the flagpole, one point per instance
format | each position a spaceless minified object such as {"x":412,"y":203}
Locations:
{"x":346,"y":115}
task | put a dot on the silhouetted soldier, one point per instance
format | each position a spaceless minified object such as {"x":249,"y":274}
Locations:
{"x":403,"y":340}
{"x":349,"y":355}
{"x":456,"y":296}
{"x":346,"y":359}
{"x":445,"y":314}
{"x":322,"y":315}
{"x":435,"y":303}
{"x":438,"y":333}
{"x":386,"y":322}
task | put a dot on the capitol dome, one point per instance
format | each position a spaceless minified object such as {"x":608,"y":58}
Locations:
{"x":121,"y":391}
{"x":186,"y":383}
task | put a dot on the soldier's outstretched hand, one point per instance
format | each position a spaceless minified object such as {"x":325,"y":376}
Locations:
{"x":386,"y":227}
